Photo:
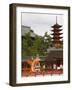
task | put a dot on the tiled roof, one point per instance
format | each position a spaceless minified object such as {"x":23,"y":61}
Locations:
{"x":26,"y":29}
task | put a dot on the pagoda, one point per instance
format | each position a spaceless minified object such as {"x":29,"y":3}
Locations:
{"x":56,"y":39}
{"x":54,"y":59}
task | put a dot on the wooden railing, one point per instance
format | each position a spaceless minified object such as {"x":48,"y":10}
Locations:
{"x":26,"y":72}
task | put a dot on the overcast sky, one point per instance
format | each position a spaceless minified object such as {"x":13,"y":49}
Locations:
{"x":41,"y":23}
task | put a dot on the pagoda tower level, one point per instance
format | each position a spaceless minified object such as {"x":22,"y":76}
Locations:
{"x":56,"y":39}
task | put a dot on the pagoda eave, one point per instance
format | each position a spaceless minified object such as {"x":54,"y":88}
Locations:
{"x":56,"y":33}
{"x":56,"y":30}
{"x":56,"y":26}
{"x":57,"y":37}
{"x":57,"y":41}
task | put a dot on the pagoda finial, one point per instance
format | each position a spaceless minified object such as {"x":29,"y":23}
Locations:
{"x":56,"y":19}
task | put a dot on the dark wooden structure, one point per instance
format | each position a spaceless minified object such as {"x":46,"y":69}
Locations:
{"x":54,"y":57}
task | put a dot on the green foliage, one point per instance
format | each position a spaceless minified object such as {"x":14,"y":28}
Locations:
{"x":47,"y":40}
{"x":37,"y":45}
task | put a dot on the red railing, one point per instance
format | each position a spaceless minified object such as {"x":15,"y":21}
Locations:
{"x":26,"y":72}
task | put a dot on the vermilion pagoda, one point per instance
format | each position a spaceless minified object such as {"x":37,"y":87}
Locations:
{"x":56,"y":39}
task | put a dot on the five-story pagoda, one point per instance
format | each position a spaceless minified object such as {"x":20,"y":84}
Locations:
{"x":56,"y":39}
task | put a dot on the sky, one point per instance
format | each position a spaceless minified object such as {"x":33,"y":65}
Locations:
{"x":41,"y":22}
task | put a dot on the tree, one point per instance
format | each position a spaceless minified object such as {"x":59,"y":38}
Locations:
{"x":47,"y":40}
{"x":37,"y":45}
{"x":26,"y":44}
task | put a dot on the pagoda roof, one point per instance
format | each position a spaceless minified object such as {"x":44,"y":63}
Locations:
{"x":56,"y":33}
{"x":57,"y":41}
{"x":56,"y":30}
{"x":56,"y":26}
{"x":57,"y":38}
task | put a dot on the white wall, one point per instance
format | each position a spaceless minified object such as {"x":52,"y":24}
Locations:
{"x":4,"y":45}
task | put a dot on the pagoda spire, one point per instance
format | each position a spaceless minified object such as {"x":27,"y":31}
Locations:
{"x":56,"y":19}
